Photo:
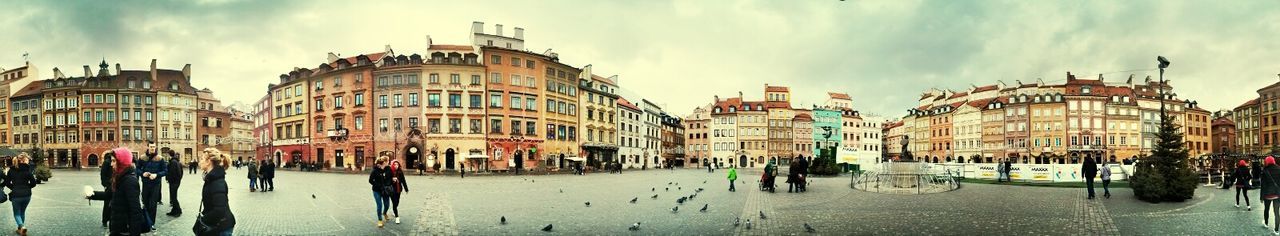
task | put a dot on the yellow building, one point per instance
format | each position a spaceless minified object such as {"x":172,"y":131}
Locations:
{"x":290,"y":107}
{"x":597,"y":106}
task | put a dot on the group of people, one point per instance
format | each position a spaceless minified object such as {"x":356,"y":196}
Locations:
{"x":613,"y":167}
{"x":262,"y":177}
{"x":1268,"y":179}
{"x":388,"y":182}
{"x":131,"y":191}
{"x":799,"y":170}
{"x":1089,"y":169}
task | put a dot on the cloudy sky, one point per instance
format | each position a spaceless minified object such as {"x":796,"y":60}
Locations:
{"x":681,"y":53}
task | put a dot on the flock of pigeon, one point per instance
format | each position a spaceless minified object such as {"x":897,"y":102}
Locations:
{"x":676,"y":209}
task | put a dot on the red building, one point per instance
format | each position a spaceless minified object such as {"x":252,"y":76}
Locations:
{"x":262,"y":126}
{"x":342,"y":131}
{"x":1224,"y":136}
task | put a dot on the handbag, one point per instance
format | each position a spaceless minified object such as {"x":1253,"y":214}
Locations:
{"x":3,"y":197}
{"x":202,"y":227}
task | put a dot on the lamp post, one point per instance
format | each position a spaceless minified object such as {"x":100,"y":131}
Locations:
{"x":1164,"y":63}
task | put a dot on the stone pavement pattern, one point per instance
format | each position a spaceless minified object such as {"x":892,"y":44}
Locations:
{"x":447,"y":205}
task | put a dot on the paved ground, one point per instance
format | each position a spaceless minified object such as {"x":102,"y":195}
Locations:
{"x":447,"y":205}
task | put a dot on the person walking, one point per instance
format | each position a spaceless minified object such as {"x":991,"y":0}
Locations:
{"x":191,"y":167}
{"x":175,"y":180}
{"x":1089,"y":170}
{"x":105,"y":174}
{"x":262,"y":176}
{"x":400,"y":185}
{"x":215,"y":214}
{"x":1008,"y":170}
{"x":1241,"y":177}
{"x":127,"y":215}
{"x":20,"y":180}
{"x":733,"y":176}
{"x":1270,"y":192}
{"x":269,"y":177}
{"x":1106,"y":179}
{"x":793,"y":176}
{"x":151,"y":170}
{"x":379,"y":180}
{"x":253,"y":176}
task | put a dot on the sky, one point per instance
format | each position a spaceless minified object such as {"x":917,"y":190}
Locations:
{"x":680,"y":54}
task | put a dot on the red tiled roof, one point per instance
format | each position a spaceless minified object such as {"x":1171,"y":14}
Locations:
{"x":725,"y":104}
{"x":352,"y":60}
{"x":752,"y":105}
{"x":1028,"y":85}
{"x":985,"y":88}
{"x":980,"y":103}
{"x":603,"y":80}
{"x":779,"y":89}
{"x":802,"y":117}
{"x":923,"y":108}
{"x":956,"y":104}
{"x":924,"y":96}
{"x":844,"y":96}
{"x":32,"y":89}
{"x":1251,"y":102}
{"x":959,"y":95}
{"x":447,"y":47}
{"x":1223,"y":121}
{"x":624,"y":103}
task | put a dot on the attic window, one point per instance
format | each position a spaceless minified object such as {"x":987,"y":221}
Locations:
{"x":173,"y":86}
{"x":1085,"y":89}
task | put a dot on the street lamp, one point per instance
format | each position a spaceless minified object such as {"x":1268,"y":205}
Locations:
{"x":1164,"y":63}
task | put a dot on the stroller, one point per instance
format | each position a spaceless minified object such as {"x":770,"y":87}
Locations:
{"x":767,"y":182}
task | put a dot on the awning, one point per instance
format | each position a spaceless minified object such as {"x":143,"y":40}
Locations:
{"x":477,"y":157}
{"x":6,"y":152}
{"x":575,"y":159}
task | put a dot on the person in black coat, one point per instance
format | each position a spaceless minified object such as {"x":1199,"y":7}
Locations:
{"x":1242,"y":178}
{"x":215,"y":211}
{"x":380,"y":182}
{"x":400,"y":185}
{"x":151,"y":169}
{"x":105,"y":173}
{"x":1089,"y":170}
{"x":20,"y":180}
{"x":175,"y":180}
{"x":127,"y":215}
{"x":269,"y":176}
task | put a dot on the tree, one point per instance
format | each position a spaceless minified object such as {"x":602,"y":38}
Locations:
{"x":1166,"y":174}
{"x":42,"y":171}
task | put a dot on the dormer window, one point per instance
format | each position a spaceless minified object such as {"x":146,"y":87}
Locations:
{"x":1086,"y":89}
{"x":173,"y":86}
{"x":717,"y":110}
{"x":732,"y":109}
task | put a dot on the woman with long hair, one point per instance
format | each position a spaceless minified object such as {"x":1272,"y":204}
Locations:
{"x":398,"y":182}
{"x":105,"y":174}
{"x":20,"y":180}
{"x":1242,"y":177}
{"x":215,"y":214}
{"x":1271,"y":192}
{"x":380,"y":181}
{"x":127,"y":216}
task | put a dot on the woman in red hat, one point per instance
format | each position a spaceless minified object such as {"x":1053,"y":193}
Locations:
{"x":1270,"y":192}
{"x":1242,"y":177}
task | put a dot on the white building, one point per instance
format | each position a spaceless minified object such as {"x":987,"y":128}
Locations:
{"x":631,"y":136}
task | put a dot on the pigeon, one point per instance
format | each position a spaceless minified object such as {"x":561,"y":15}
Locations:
{"x":748,"y":224}
{"x":675,"y":209}
{"x":677,"y":184}
{"x":634,"y":227}
{"x":502,"y":220}
{"x":809,"y":229}
{"x":704,"y":181}
{"x":678,"y":188}
{"x":548,"y":228}
{"x":313,"y":196}
{"x":704,"y":207}
{"x":736,"y":221}
{"x":668,"y":183}
{"x":681,"y":200}
{"x":655,"y":196}
{"x":561,"y":190}
{"x":588,"y":203}
{"x":653,"y":189}
{"x":535,"y":181}
{"x":666,"y":189}
{"x":762,"y":215}
{"x":633,"y":200}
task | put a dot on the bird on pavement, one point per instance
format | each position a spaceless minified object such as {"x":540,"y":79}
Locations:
{"x":678,"y":188}
{"x":704,"y":207}
{"x":548,"y":228}
{"x":668,"y":183}
{"x":561,"y":190}
{"x":653,"y":189}
{"x":680,"y":200}
{"x":704,"y":181}
{"x":762,"y":215}
{"x":633,"y":200}
{"x":737,"y":221}
{"x":588,"y":203}
{"x":675,"y":209}
{"x":634,"y":227}
{"x":748,"y":223}
{"x":666,"y":189}
{"x":809,"y":229}
{"x":313,"y":196}
{"x":655,"y":196}
{"x":502,"y":220}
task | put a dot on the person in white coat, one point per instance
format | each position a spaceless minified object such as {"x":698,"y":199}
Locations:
{"x":1106,"y":179}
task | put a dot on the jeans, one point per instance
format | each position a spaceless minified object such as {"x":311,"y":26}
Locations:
{"x":150,"y":196}
{"x":20,"y":209}
{"x":1274,"y":208}
{"x":1106,"y":188}
{"x":1088,"y":182}
{"x":269,"y":184}
{"x":1243,"y":192}
{"x":383,"y":202}
{"x":227,"y":232}
{"x":253,"y":183}
{"x":173,"y":197}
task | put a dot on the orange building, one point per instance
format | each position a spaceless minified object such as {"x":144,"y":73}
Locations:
{"x":342,"y":130}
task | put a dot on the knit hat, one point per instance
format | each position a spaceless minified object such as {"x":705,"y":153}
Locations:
{"x":124,"y":158}
{"x":1243,"y":163}
{"x":1270,"y":161}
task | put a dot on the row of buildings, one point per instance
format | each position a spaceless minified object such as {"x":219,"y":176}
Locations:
{"x":1046,"y":123}
{"x":735,"y":131}
{"x":490,"y":105}
{"x":71,"y":120}
{"x":1253,"y":128}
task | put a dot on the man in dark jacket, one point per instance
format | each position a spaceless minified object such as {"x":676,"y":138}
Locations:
{"x":175,"y":180}
{"x":151,"y":170}
{"x":269,"y":176}
{"x":1090,"y":170}
{"x":104,"y":173}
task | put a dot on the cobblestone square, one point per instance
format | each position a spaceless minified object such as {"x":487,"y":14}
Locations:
{"x":447,"y":205}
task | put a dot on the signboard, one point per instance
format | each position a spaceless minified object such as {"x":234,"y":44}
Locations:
{"x":1038,"y":173}
{"x":986,"y":171}
{"x":1068,"y":173}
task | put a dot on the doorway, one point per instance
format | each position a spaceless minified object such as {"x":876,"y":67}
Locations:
{"x":449,"y":158}
{"x":412,"y":155}
{"x":742,"y":161}
{"x":519,"y":157}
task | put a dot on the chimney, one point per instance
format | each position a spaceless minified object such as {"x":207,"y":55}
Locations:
{"x":717,"y":98}
{"x":498,"y":28}
{"x":57,"y":74}
{"x":117,"y":68}
{"x":477,"y":27}
{"x":332,"y":57}
{"x":186,"y":72}
{"x":519,"y":33}
{"x":89,"y":73}
{"x":153,"y":70}
{"x":1070,"y":76}
{"x":1099,"y":77}
{"x":739,"y":94}
{"x":1130,"y":81}
{"x":428,"y":41}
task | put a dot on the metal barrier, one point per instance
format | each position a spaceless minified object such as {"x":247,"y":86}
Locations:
{"x":905,"y":178}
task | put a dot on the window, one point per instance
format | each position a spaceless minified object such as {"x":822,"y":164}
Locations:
{"x":319,"y":125}
{"x":319,"y":85}
{"x":531,"y":104}
{"x":395,"y":123}
{"x":475,"y":100}
{"x":495,"y":78}
{"x":337,"y":81}
{"x":516,"y":102}
{"x":496,"y":59}
{"x":531,"y":128}
{"x":455,"y":79}
{"x":398,"y":100}
{"x":455,"y":126}
{"x":382,"y":124}
{"x":515,"y":127}
{"x":319,"y":104}
{"x":433,"y":99}
{"x":495,"y":99}
{"x":433,"y":78}
{"x":359,"y":122}
{"x":475,"y":79}
{"x":382,"y":101}
{"x":528,"y":63}
{"x":412,"y":79}
{"x":433,"y":125}
{"x":359,"y":99}
{"x":515,"y":80}
{"x":515,"y":61}
{"x":495,"y":126}
{"x":337,"y":102}
{"x":475,"y":126}
{"x":455,"y":100}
